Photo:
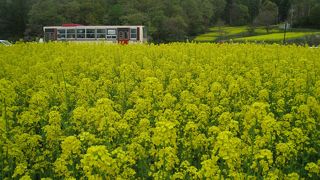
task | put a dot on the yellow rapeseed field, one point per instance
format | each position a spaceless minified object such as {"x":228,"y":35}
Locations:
{"x":173,"y":111}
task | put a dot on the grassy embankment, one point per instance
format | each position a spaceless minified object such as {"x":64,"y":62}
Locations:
{"x":242,"y":33}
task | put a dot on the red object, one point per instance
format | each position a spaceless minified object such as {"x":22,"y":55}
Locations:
{"x":70,"y":25}
{"x":124,"y":42}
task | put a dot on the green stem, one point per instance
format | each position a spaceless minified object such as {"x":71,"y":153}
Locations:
{"x":4,"y":117}
{"x":65,"y":86}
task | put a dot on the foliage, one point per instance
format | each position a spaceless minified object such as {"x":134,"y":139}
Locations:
{"x":239,"y":15}
{"x":25,"y":18}
{"x":267,"y":15}
{"x":315,"y":16}
{"x":174,"y":111}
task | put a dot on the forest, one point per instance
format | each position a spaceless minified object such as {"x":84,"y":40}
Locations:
{"x":166,"y":20}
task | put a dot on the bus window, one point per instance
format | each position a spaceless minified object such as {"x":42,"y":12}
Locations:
{"x":111,"y":32}
{"x":133,"y":33}
{"x":71,"y":33}
{"x":61,"y":33}
{"x":81,"y":33}
{"x":90,"y":33}
{"x":101,"y":33}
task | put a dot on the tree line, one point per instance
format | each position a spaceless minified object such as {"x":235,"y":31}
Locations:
{"x":166,"y":20}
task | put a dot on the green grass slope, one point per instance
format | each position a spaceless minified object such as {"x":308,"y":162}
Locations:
{"x":242,"y":33}
{"x":276,"y":36}
{"x":216,"y":33}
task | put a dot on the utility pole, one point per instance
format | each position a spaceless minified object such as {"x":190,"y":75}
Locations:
{"x":285,"y":33}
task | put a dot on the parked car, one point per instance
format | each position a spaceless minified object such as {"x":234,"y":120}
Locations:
{"x":5,"y":43}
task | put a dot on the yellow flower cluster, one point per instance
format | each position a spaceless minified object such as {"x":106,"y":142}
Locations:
{"x":170,"y":111}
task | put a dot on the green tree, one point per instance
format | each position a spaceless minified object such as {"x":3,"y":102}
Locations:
{"x":301,"y":11}
{"x":3,"y":19}
{"x":174,"y":28}
{"x":236,"y":13}
{"x":43,"y":13}
{"x":114,"y":14}
{"x":13,"y":17}
{"x":239,"y":14}
{"x":267,"y":16}
{"x":92,"y":12}
{"x":218,"y":7}
{"x":253,"y":7}
{"x":193,"y":16}
{"x":147,"y":12}
{"x":283,"y":9}
{"x":315,"y":16}
{"x":71,"y":11}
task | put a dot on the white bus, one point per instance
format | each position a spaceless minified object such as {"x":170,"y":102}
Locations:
{"x":77,"y":32}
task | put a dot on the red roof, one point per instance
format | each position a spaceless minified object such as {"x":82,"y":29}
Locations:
{"x":71,"y":25}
